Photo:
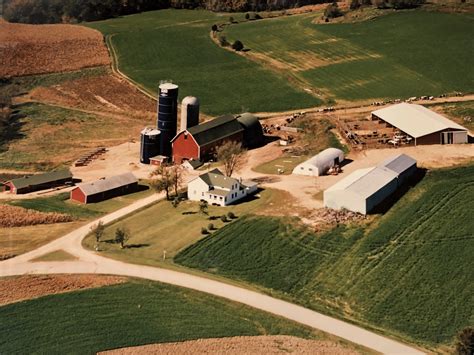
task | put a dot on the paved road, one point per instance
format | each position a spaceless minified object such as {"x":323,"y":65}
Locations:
{"x":92,"y":263}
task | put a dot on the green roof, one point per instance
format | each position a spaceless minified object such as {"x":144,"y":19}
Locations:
{"x":216,"y":129}
{"x":40,"y":179}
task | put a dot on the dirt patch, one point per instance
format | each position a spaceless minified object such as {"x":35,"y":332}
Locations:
{"x":56,"y":48}
{"x":279,"y":344}
{"x":104,"y":93}
{"x":22,"y":288}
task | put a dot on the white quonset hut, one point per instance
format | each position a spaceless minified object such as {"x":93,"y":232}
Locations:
{"x":421,"y":124}
{"x":320,"y":163}
{"x":218,"y":189}
{"x":365,"y":189}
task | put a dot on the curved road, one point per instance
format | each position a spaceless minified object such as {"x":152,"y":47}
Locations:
{"x":92,"y":263}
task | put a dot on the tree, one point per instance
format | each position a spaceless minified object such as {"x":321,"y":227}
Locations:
{"x":231,"y":19}
{"x":214,"y":28}
{"x":237,"y":46}
{"x":203,"y":207}
{"x":176,"y":177}
{"x":355,"y":4}
{"x":175,"y":202}
{"x":121,"y":236}
{"x":332,"y":11}
{"x":223,"y":41}
{"x":465,"y":342}
{"x":247,"y":16}
{"x":162,"y":179}
{"x":231,"y":155}
{"x":98,"y":230}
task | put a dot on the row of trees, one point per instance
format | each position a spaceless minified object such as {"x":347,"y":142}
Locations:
{"x":57,"y":11}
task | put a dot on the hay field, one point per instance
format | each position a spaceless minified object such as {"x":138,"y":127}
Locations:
{"x":38,"y":49}
{"x":176,"y":45}
{"x":394,"y":56}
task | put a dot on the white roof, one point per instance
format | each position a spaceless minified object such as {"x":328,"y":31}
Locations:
{"x":150,"y":131}
{"x":365,"y":182}
{"x":168,"y":86}
{"x":327,"y":155}
{"x":398,"y":163}
{"x":107,"y":184}
{"x":415,"y":120}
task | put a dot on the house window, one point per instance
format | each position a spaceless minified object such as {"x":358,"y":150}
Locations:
{"x":194,"y":192}
{"x":203,"y":194}
{"x":220,"y":198}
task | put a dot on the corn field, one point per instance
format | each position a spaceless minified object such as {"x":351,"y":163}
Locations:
{"x":13,"y":216}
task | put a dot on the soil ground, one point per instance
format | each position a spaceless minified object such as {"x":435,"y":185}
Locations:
{"x":57,"y":48}
{"x":15,"y":289}
{"x":279,"y":344}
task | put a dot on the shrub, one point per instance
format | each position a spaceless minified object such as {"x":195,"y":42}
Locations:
{"x":210,"y":226}
{"x":247,"y":16}
{"x":223,"y":41}
{"x":231,"y":215}
{"x":355,"y":4}
{"x":465,"y":342}
{"x":332,"y":11}
{"x":204,"y":230}
{"x":237,"y":46}
{"x":231,"y":19}
{"x":214,"y":28}
{"x":224,"y":218}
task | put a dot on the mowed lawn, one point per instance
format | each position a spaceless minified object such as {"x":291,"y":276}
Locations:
{"x":394,"y":56}
{"x":408,"y":274}
{"x":176,"y":45}
{"x":130,"y":314}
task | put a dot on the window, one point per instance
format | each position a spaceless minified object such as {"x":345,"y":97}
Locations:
{"x":220,"y":198}
{"x":194,"y":192}
{"x":203,"y":194}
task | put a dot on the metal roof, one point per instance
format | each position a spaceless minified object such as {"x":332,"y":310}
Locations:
{"x":190,"y":100}
{"x":365,"y":182}
{"x":216,"y":129}
{"x":148,"y":131}
{"x":40,"y":179}
{"x":107,"y":184}
{"x":398,"y":163}
{"x":168,"y":86}
{"x":321,"y":159}
{"x":216,"y":178}
{"x":415,"y":120}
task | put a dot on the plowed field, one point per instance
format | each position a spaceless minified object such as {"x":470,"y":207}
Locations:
{"x":38,"y":49}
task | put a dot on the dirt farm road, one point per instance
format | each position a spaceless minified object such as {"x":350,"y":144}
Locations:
{"x":92,"y":263}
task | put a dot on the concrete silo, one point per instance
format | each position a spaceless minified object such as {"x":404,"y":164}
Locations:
{"x":167,"y":116}
{"x":149,"y":144}
{"x":189,"y":112}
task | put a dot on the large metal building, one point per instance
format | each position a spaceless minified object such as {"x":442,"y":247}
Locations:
{"x":320,"y":163}
{"x":365,"y":189}
{"x":422,"y":125}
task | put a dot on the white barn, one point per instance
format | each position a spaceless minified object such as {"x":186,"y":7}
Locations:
{"x":320,"y":163}
{"x":364,"y":189}
{"x":218,"y":189}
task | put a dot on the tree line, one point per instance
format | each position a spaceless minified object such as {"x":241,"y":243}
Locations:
{"x":71,"y":11}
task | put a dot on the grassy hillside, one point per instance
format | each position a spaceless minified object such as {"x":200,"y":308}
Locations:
{"x":393,"y":56}
{"x":408,"y":273}
{"x":134,"y":313}
{"x":176,"y":45}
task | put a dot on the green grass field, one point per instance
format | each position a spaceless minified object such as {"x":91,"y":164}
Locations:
{"x":393,"y":56}
{"x":176,"y":45}
{"x":130,"y":314}
{"x":408,"y":273}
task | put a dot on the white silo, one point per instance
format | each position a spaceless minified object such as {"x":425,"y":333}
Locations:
{"x":189,"y":112}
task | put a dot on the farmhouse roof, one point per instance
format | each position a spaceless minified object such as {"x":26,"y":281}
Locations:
{"x":219,"y":192}
{"x":216,"y":178}
{"x":416,"y":120}
{"x":40,"y":179}
{"x":216,"y":129}
{"x":107,"y":184}
{"x":398,"y":163}
{"x":365,"y":182}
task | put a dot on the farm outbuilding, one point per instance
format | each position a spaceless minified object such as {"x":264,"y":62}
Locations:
{"x":420,"y":125}
{"x":104,"y":189}
{"x":200,"y":142}
{"x":320,"y":163}
{"x":365,"y":189}
{"x":38,"y":182}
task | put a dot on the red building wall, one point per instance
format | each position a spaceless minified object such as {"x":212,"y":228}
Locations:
{"x":78,"y":195}
{"x":184,"y":147}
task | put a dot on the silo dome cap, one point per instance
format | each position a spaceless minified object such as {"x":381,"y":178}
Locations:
{"x":190,"y":100}
{"x":168,"y":86}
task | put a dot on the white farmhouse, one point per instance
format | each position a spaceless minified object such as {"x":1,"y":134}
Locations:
{"x":321,"y":163}
{"x":218,"y":189}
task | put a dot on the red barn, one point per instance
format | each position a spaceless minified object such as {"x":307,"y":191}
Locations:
{"x":200,"y":142}
{"x":104,"y":189}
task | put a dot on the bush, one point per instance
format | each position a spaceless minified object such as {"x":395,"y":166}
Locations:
{"x":204,"y":231}
{"x":465,"y":342}
{"x":247,"y":16}
{"x":214,"y":28}
{"x":231,"y":215}
{"x":224,"y":218}
{"x":231,"y":19}
{"x":223,"y":41}
{"x":332,"y":11}
{"x":237,"y":46}
{"x":210,"y":226}
{"x":355,"y":4}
